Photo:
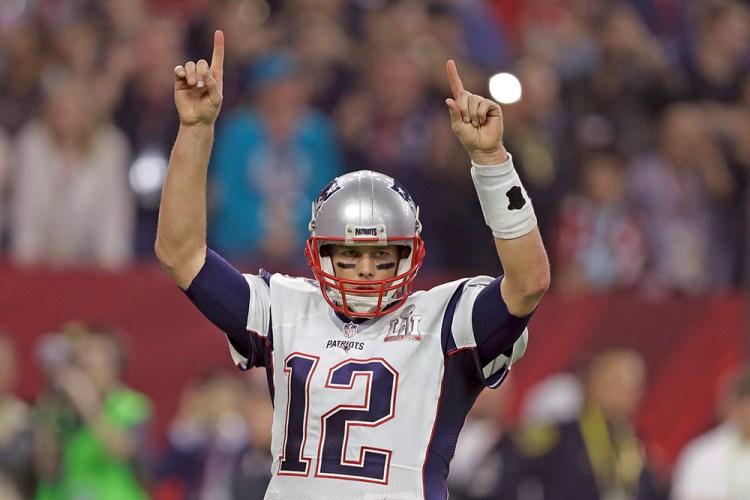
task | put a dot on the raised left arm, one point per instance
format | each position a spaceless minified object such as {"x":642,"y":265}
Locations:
{"x":478,"y":124}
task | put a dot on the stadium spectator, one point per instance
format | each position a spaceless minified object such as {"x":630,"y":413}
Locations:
{"x":122,"y":19}
{"x":17,"y":478}
{"x":715,"y":464}
{"x":71,"y":202}
{"x":142,"y":112}
{"x":631,"y":82}
{"x":680,"y":187}
{"x":558,"y":397}
{"x":204,"y":440}
{"x":91,"y":428}
{"x":562,"y":33}
{"x":23,"y":54}
{"x":381,"y":120}
{"x":319,"y":34}
{"x":715,"y":57}
{"x":731,"y":124}
{"x":252,"y":467}
{"x":268,"y":160}
{"x":599,"y":242}
{"x":75,"y":54}
{"x":596,"y":455}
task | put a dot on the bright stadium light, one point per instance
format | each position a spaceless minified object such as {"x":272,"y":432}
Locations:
{"x":505,"y":88}
{"x":147,"y":176}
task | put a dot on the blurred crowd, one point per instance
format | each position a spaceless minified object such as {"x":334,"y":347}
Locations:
{"x":88,"y":435}
{"x":632,"y":137}
{"x":631,"y":134}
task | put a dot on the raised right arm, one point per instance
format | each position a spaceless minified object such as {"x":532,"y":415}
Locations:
{"x":181,"y":233}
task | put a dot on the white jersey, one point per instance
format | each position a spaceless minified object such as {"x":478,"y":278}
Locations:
{"x":369,"y":410}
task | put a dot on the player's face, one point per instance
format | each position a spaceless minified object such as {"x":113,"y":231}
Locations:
{"x":364,"y":263}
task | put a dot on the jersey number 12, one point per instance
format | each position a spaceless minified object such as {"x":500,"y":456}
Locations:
{"x":372,"y":464}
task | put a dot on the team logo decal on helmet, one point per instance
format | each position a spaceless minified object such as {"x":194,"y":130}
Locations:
{"x":365,"y":208}
{"x":327,"y":191}
{"x":402,"y":191}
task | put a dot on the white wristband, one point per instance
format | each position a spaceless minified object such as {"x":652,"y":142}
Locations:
{"x":505,"y":204}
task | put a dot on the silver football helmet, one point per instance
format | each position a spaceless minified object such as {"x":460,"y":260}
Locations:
{"x":365,"y":208}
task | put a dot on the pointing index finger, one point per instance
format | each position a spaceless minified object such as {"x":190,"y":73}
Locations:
{"x":455,"y":81}
{"x":217,"y":59}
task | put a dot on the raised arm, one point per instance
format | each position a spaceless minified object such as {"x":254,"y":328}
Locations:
{"x":181,"y":235}
{"x":478,"y":124}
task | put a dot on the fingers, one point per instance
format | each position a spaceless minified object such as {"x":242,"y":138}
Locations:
{"x":214,"y":91}
{"x":201,"y":73}
{"x":460,"y":95}
{"x":217,"y":59}
{"x":455,"y":114}
{"x":194,"y":74}
{"x":453,"y":79}
{"x":472,"y":108}
{"x":190,"y":77}
{"x":473,"y":103}
{"x":486,"y":109}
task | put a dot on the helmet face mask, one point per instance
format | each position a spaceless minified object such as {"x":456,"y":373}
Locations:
{"x":364,"y":208}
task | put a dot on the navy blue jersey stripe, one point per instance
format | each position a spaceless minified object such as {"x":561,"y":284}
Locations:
{"x":495,"y":328}
{"x":222,"y":294}
{"x":440,"y":450}
{"x":446,"y":336}
{"x":462,"y":383}
{"x":268,"y":356}
{"x":266,"y":276}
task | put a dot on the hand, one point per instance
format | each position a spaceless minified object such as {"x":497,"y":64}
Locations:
{"x":198,"y":87}
{"x":477,"y":122}
{"x":80,"y":391}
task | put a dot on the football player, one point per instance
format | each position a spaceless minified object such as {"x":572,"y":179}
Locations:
{"x":370,"y":382}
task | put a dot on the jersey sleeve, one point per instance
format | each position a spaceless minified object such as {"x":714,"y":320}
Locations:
{"x":237,"y":304}
{"x":258,"y":327}
{"x":481,"y":320}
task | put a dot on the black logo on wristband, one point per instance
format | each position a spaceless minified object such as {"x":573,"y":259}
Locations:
{"x":516,"y":199}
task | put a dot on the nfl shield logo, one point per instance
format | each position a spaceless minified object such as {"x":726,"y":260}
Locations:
{"x":350,"y":329}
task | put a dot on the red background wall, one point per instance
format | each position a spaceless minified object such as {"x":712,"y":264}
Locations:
{"x":688,"y":343}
